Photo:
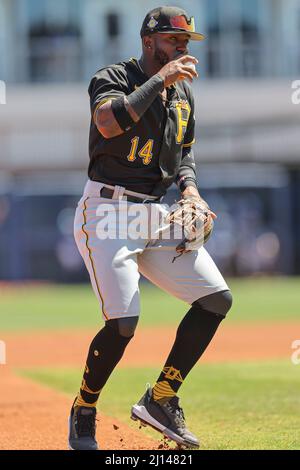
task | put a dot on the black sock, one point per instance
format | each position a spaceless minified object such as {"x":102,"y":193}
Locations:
{"x":194,"y":334}
{"x":106,"y":350}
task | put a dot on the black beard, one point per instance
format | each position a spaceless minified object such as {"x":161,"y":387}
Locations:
{"x":161,"y":57}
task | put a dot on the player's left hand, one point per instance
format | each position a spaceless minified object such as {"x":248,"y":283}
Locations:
{"x":190,"y":193}
{"x":195,"y":217}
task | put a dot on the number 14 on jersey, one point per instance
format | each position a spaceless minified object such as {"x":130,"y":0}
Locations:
{"x":145,"y":153}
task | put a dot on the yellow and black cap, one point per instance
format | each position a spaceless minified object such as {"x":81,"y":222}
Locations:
{"x":170,"y":20}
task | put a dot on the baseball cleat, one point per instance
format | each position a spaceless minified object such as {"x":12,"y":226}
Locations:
{"x":82,"y":428}
{"x":165,"y":416}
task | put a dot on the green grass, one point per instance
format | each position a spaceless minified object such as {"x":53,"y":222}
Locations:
{"x":60,"y":307}
{"x":229,"y":406}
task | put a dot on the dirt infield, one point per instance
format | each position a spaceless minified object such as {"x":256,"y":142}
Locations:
{"x":35,"y":417}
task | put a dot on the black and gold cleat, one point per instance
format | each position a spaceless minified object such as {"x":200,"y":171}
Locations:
{"x":165,"y":416}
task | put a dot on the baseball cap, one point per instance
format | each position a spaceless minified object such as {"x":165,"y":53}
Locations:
{"x":170,"y":20}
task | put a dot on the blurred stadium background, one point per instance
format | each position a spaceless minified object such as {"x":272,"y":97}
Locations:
{"x":248,"y":139}
{"x":248,"y":165}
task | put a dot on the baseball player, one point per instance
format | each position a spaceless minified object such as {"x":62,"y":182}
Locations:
{"x":141,"y":137}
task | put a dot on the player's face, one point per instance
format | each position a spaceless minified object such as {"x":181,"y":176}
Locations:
{"x":169,"y":47}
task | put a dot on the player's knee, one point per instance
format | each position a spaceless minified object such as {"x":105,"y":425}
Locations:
{"x":124,"y":326}
{"x":219,"y":303}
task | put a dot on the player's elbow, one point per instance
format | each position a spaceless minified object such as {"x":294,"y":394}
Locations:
{"x":106,"y":122}
{"x":106,"y":132}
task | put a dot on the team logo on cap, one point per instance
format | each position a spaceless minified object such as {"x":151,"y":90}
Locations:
{"x":152,"y":23}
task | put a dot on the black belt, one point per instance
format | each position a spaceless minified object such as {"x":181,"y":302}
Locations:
{"x":108,"y":193}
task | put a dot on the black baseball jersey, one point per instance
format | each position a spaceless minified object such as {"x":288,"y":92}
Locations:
{"x":156,"y":151}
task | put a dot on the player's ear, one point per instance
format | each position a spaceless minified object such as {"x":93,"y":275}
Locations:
{"x":147,"y":42}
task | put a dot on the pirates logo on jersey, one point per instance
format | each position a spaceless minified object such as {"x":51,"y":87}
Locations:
{"x":183,"y":114}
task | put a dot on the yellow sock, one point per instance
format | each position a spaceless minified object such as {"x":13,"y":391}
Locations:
{"x":80,"y":402}
{"x":162,"y":390}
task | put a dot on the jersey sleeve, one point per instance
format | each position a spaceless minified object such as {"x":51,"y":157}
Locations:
{"x":107,"y":84}
{"x":186,"y":175}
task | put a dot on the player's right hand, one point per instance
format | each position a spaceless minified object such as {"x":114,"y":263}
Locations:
{"x":178,"y":70}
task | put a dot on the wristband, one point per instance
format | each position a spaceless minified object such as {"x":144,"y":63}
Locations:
{"x":121,"y":114}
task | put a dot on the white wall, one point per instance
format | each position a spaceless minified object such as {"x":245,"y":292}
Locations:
{"x":279,"y":21}
{"x":235,"y":121}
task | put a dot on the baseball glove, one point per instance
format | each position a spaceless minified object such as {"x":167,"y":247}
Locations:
{"x":194,"y":216}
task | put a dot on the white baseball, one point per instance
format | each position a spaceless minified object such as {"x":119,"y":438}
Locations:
{"x":191,"y":64}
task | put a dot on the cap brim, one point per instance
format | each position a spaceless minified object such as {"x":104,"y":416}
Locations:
{"x":193,"y":36}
